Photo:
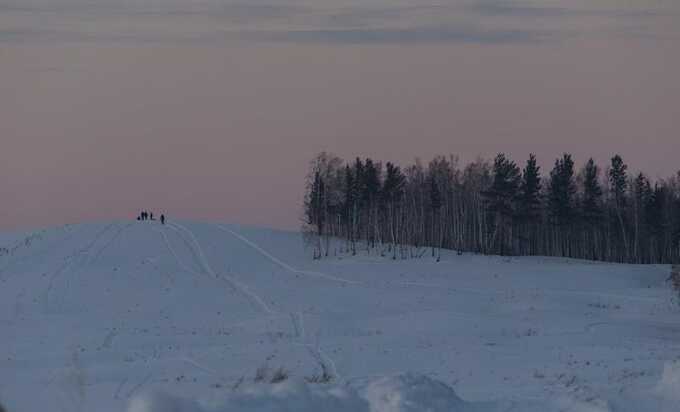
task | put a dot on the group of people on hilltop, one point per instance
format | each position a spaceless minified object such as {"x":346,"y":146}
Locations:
{"x":146,"y":215}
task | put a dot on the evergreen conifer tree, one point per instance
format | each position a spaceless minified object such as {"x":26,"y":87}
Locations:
{"x":591,"y":207}
{"x":561,"y":204}
{"x":530,"y":190}
{"x":618,"y":183}
{"x":618,"y":180}
{"x":561,"y":191}
{"x":501,"y":198}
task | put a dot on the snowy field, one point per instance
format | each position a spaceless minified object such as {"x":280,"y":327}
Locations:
{"x":197,"y":317}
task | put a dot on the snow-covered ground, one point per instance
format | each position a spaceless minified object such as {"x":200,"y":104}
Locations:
{"x":139,"y":317}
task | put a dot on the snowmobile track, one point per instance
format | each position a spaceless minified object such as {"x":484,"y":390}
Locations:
{"x":79,"y":257}
{"x":235,"y":284}
{"x":285,"y":265}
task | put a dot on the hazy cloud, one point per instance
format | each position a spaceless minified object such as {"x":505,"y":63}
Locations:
{"x":404,"y":36}
{"x":340,"y":21}
{"x":517,"y":9}
{"x":535,"y":8}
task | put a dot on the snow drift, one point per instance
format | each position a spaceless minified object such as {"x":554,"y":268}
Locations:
{"x":412,"y":393}
{"x":402,"y":393}
{"x":662,"y":397}
{"x":406,"y":393}
{"x":283,"y":397}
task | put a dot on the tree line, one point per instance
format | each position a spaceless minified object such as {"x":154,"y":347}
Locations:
{"x":492,"y":207}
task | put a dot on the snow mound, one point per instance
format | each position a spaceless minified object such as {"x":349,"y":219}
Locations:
{"x":406,"y":393}
{"x":412,"y":393}
{"x":402,"y":393}
{"x":664,"y":396}
{"x":288,"y":396}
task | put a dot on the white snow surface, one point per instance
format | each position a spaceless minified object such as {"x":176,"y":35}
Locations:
{"x":140,"y":317}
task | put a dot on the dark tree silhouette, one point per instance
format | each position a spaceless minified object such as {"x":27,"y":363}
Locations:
{"x":492,"y":208}
{"x":501,"y":198}
{"x":592,"y":210}
{"x":529,"y":205}
{"x":618,"y":183}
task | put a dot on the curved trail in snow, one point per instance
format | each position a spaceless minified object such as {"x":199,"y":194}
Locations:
{"x":110,"y":241}
{"x":41,"y":251}
{"x":298,"y":324}
{"x":291,"y":269}
{"x":284,"y":264}
{"x":315,"y":350}
{"x":297,"y":319}
{"x":75,"y":259}
{"x":174,"y":254}
{"x":192,"y":250}
{"x":235,"y":284}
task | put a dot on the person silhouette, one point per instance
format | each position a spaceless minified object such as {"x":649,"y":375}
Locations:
{"x":162,"y":219}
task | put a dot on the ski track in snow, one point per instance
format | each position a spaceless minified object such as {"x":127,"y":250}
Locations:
{"x":46,"y":295}
{"x":34,"y":254}
{"x":110,"y":242}
{"x":78,"y":258}
{"x":291,"y":269}
{"x":192,"y":250}
{"x":318,"y":354}
{"x":174,"y":254}
{"x":315,"y":350}
{"x":197,"y":365}
{"x":76,"y":261}
{"x":119,"y":388}
{"x":139,"y":385}
{"x":235,"y":284}
{"x":284,"y":264}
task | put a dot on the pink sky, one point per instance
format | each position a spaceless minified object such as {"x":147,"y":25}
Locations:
{"x":216,"y":116}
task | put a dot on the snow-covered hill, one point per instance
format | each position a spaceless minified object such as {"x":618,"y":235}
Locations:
{"x":138,"y":317}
